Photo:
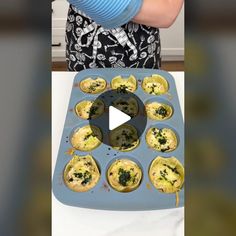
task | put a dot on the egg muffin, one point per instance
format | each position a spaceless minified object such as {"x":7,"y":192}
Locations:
{"x":167,"y":175}
{"x":155,"y":85}
{"x":124,"y":84}
{"x":86,"y":138}
{"x":127,"y":105}
{"x":162,"y":140}
{"x":81,"y":173}
{"x":158,"y":111}
{"x":93,"y":86}
{"x":124,"y":138}
{"x":124,"y":175}
{"x":88,"y":110}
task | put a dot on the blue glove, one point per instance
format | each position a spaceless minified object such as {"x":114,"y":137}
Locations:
{"x":109,"y":13}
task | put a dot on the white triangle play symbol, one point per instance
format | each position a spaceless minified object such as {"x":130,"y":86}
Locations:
{"x":116,"y":118}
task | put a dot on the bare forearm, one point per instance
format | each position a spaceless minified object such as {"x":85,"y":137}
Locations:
{"x":158,"y":13}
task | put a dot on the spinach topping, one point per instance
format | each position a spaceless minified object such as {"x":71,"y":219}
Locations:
{"x":78,"y":175}
{"x":152,"y":89}
{"x":173,"y":169}
{"x":127,"y":136}
{"x":157,"y":132}
{"x":165,"y":149}
{"x":87,"y":177}
{"x":127,"y":145}
{"x":158,"y":135}
{"x":164,"y":174}
{"x":86,"y":180}
{"x":122,"y":89}
{"x":173,"y":182}
{"x":93,"y":86}
{"x":71,"y":180}
{"x":123,"y":103}
{"x":162,"y":140}
{"x":124,"y":176}
{"x":88,"y":163}
{"x":134,"y":178}
{"x":92,"y":112}
{"x":161,"y":111}
{"x":88,"y":136}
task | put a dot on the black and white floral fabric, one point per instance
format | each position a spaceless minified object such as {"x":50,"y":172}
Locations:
{"x":91,"y":46}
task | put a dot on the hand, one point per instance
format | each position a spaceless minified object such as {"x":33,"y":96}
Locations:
{"x":158,"y":13}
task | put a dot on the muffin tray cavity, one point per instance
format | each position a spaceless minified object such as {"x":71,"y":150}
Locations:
{"x":103,"y":195}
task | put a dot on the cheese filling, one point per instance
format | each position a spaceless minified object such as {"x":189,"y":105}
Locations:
{"x":158,"y":111}
{"x":124,"y":138}
{"x":124,"y":84}
{"x":89,"y":109}
{"x":167,"y":174}
{"x":128,"y":106}
{"x":93,"y":86}
{"x":124,"y":175}
{"x":155,"y":85}
{"x":81,"y":173}
{"x":86,"y":138}
{"x":163,"y":140}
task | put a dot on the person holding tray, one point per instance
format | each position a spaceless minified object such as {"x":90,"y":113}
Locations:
{"x":117,"y":33}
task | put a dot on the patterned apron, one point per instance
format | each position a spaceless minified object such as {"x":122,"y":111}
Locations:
{"x":89,"y":45}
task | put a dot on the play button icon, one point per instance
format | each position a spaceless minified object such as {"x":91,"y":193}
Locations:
{"x":124,"y":114}
{"x":117,"y":118}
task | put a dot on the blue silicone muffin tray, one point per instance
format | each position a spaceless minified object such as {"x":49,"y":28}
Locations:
{"x":102,"y":196}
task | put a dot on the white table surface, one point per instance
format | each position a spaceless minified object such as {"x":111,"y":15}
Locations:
{"x":67,"y":220}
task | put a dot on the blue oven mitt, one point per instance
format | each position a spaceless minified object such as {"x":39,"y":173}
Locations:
{"x":109,"y":13}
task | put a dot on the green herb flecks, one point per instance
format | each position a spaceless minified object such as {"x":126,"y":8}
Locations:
{"x":127,"y":136}
{"x":87,"y":178}
{"x":92,"y":112}
{"x":127,"y":145}
{"x":78,"y":175}
{"x":89,"y":135}
{"x":122,"y":89}
{"x":164,"y":176}
{"x":153,"y":89}
{"x":71,"y":180}
{"x":162,"y":140}
{"x":124,"y":177}
{"x":173,"y":169}
{"x":161,"y":111}
{"x":93,"y":86}
{"x":165,"y":149}
{"x":123,"y":103}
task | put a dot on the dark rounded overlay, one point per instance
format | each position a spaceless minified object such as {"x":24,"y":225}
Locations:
{"x":126,"y":102}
